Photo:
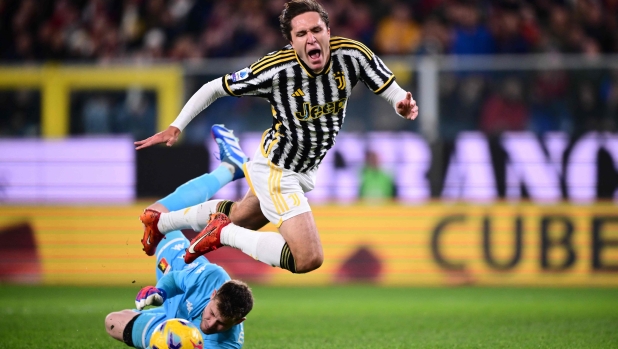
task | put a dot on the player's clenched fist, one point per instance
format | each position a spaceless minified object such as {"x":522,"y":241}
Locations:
{"x":149,"y":295}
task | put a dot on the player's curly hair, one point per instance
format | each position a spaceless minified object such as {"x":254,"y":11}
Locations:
{"x":234,"y":299}
{"x":297,"y":7}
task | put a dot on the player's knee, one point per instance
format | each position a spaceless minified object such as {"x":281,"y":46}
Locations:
{"x":111,"y":323}
{"x":303,"y":261}
{"x":308,"y":265}
{"x":310,"y":262}
{"x":119,"y":325}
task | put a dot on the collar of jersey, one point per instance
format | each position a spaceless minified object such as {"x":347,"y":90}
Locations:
{"x":309,"y":72}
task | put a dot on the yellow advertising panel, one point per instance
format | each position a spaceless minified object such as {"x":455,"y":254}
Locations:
{"x":57,"y":82}
{"x":433,"y":244}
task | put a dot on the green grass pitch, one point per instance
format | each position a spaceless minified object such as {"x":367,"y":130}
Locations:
{"x":340,"y":317}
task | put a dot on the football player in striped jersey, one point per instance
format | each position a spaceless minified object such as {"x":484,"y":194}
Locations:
{"x":308,"y":84}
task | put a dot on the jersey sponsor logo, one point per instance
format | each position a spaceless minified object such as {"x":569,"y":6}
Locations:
{"x":241,"y":74}
{"x":340,"y":77}
{"x":311,"y":112}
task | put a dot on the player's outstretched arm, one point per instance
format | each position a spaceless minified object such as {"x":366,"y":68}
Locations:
{"x":198,"y":102}
{"x":169,"y":137}
{"x":407,"y":107}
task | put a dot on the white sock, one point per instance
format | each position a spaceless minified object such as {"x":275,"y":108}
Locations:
{"x":194,"y":217}
{"x":263,"y":246}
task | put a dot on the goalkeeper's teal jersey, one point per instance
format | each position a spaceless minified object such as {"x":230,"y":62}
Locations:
{"x":189,"y":288}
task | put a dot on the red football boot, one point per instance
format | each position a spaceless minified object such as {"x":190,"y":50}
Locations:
{"x":208,"y":239}
{"x":152,"y":235}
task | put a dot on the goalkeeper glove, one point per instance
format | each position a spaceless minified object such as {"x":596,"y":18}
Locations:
{"x":149,"y":295}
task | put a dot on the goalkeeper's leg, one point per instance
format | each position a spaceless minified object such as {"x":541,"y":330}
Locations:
{"x":133,"y":327}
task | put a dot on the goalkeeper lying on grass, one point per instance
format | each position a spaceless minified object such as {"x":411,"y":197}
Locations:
{"x":200,"y":292}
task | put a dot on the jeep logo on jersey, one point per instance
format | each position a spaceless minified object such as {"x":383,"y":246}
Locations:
{"x":311,"y":112}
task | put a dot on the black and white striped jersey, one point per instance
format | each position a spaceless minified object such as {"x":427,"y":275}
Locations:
{"x":308,"y":107}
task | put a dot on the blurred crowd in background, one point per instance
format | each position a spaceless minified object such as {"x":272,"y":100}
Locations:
{"x":142,"y":31}
{"x":100,"y":30}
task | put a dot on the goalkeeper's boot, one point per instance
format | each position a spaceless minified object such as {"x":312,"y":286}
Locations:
{"x":152,"y":235}
{"x":208,"y":239}
{"x":229,"y":149}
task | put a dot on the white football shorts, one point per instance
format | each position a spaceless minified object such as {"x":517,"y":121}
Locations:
{"x":281,"y":192}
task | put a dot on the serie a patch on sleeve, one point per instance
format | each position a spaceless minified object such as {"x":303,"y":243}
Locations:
{"x":241,"y":74}
{"x":163,"y":265}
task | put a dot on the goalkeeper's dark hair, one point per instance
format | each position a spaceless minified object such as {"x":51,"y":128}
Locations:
{"x":297,"y":7}
{"x":234,"y":300}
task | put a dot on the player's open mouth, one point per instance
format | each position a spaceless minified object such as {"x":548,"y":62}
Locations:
{"x":314,"y":54}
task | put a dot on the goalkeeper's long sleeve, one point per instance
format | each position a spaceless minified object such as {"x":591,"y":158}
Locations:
{"x":170,"y":284}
